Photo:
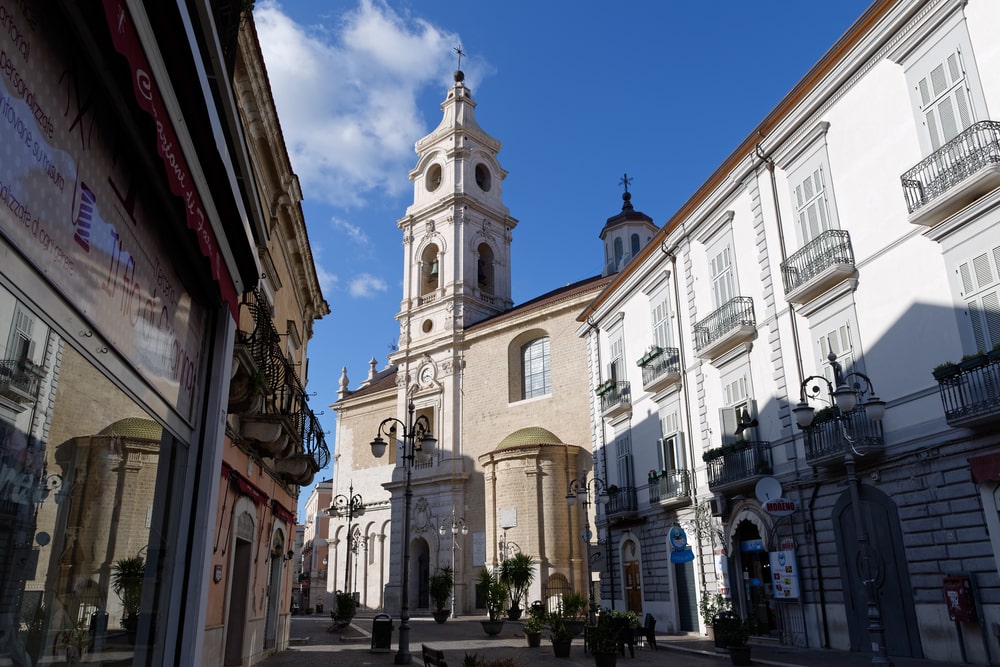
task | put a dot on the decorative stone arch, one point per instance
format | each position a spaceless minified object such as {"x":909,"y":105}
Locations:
{"x":515,"y":368}
{"x":555,"y":587}
{"x":429,"y":255}
{"x":750,"y":511}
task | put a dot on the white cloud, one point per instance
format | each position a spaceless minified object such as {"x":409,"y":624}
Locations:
{"x":366,"y":285}
{"x":352,"y":232}
{"x":346,"y":95}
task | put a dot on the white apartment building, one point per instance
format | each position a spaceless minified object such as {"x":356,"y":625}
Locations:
{"x":856,"y":228}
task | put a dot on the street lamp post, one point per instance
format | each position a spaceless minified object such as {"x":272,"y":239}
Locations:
{"x":599,"y":489}
{"x":457,"y":526}
{"x":843,"y":393}
{"x":416,"y":438}
{"x":352,"y":505}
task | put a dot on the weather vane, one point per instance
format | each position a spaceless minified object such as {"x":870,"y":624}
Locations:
{"x":625,"y":180}
{"x":460,"y":52}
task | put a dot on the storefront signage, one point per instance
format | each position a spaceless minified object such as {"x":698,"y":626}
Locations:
{"x":780,"y":507}
{"x":785,"y":575}
{"x":73,"y":201}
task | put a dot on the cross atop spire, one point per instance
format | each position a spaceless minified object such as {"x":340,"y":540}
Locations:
{"x":460,"y":52}
{"x":626,"y":181}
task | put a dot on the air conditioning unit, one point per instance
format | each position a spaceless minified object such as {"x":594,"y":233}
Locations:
{"x":718,"y":504}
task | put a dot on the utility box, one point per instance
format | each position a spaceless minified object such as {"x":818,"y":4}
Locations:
{"x":959,"y":598}
{"x":382,"y":634}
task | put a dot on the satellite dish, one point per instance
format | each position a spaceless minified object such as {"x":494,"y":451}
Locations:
{"x":768,"y":488}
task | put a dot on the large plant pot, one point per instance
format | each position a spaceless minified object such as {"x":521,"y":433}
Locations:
{"x":605,"y":659}
{"x":441,"y":615}
{"x":513,"y":613}
{"x":534,"y":638}
{"x":576,"y":627}
{"x":560,"y":647}
{"x":492,"y":628}
{"x":740,"y":655}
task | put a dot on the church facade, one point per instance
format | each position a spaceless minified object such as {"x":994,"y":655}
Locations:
{"x":502,"y":387}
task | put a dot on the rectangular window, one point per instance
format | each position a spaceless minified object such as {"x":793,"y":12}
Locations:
{"x":670,"y":451}
{"x":980,"y":283}
{"x":723,"y":284}
{"x":616,"y":367}
{"x":944,"y":99}
{"x":661,"y":320}
{"x":811,"y":209}
{"x":839,"y":342}
{"x":623,"y":447}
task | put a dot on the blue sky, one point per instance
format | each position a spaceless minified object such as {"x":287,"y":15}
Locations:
{"x":579,"y":92}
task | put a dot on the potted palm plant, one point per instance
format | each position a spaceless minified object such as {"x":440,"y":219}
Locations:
{"x":126,"y":581}
{"x":345,"y":609}
{"x":574,"y":610}
{"x":495,"y":593}
{"x":517,"y":573}
{"x":440,"y":586}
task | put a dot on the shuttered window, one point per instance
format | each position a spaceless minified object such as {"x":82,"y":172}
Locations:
{"x":661,"y":321}
{"x":981,"y":291}
{"x":723,"y":284}
{"x":944,"y":99}
{"x":840,"y":343}
{"x":811,"y":207}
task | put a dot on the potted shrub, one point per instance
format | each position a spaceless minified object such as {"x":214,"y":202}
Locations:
{"x":345,"y":610}
{"x":734,"y":632}
{"x":126,"y":581}
{"x":710,"y":607}
{"x":517,"y":573}
{"x":970,"y":361}
{"x":533,"y":626}
{"x":440,"y":585}
{"x":560,"y":633}
{"x":574,"y":609}
{"x":611,"y":631}
{"x":495,"y":593}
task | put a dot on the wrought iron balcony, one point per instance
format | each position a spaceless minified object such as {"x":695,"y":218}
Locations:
{"x":738,"y":466}
{"x":971,"y":395}
{"x":621,"y":503}
{"x":669,"y":487}
{"x":725,"y":328}
{"x":661,"y":367}
{"x":825,"y":261}
{"x":832,"y":436}
{"x":954,"y":175}
{"x":19,"y":383}
{"x":616,"y":398}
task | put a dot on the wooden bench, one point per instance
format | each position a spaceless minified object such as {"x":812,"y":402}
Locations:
{"x":433,"y":657}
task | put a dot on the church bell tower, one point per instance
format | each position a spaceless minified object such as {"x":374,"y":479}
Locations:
{"x":457,"y":232}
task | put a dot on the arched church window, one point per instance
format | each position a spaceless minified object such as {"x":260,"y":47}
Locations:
{"x":635,"y":245}
{"x":433,"y":178}
{"x":484,"y":268}
{"x":537,"y":379}
{"x":619,"y":253}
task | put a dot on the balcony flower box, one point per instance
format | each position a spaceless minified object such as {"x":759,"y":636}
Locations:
{"x":971,"y":361}
{"x":653,"y":353}
{"x":605,"y":387}
{"x":946,"y":370}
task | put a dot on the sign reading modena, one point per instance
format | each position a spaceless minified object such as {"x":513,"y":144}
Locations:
{"x":779,"y":507}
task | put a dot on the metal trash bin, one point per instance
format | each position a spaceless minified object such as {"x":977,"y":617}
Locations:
{"x":382,"y":633}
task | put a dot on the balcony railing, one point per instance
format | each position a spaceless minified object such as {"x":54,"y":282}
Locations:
{"x":621,"y":502}
{"x":661,"y":366}
{"x":616,"y":397}
{"x":735,"y":317}
{"x":667,"y":486}
{"x":739,"y":465}
{"x":968,"y":155}
{"x":830,"y":249}
{"x":21,"y":384}
{"x":972,"y":394}
{"x":829,"y":439}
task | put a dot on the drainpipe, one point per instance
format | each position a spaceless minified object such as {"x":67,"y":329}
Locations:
{"x":595,"y":331}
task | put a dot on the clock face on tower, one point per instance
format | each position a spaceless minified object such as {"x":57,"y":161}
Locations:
{"x":426,"y":374}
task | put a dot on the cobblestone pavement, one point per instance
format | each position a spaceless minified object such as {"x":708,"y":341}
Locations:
{"x":312,"y":645}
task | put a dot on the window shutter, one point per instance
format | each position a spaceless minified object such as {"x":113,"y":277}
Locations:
{"x":944,"y":100}
{"x":979,"y":278}
{"x":661,"y":323}
{"x":729,"y":422}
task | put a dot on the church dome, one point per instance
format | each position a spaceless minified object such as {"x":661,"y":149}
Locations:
{"x":529,"y":437}
{"x":134,"y":428}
